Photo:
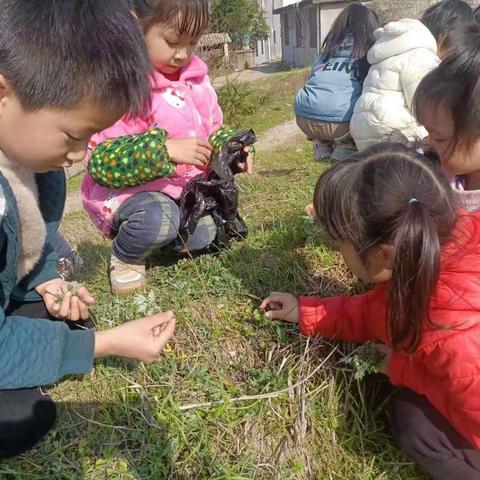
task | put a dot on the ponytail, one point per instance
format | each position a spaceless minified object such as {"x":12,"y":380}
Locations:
{"x":415,"y":273}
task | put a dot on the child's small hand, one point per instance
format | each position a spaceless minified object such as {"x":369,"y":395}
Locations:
{"x":247,"y":166}
{"x":386,"y":351}
{"x":189,"y":151}
{"x":61,"y":301}
{"x":281,"y":306}
{"x":141,"y":339}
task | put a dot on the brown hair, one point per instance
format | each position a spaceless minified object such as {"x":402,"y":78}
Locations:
{"x":189,"y":17}
{"x":389,"y":194}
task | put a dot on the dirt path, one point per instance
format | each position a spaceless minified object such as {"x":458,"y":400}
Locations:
{"x":245,"y":76}
{"x":279,"y":136}
{"x":276,"y":137}
{"x":73,"y":203}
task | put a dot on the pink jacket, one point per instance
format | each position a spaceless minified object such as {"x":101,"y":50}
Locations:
{"x":185,"y":108}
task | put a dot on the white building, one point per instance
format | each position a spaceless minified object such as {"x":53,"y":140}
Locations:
{"x":270,"y":48}
{"x":304,"y":26}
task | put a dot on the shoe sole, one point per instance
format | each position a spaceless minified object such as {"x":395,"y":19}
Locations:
{"x":124,"y":291}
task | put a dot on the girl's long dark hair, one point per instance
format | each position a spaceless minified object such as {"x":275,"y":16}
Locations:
{"x":391,"y":195}
{"x":358,"y":21}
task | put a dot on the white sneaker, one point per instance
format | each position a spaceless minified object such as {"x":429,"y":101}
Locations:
{"x":126,"y":277}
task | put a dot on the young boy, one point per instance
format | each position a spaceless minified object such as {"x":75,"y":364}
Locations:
{"x":67,"y":70}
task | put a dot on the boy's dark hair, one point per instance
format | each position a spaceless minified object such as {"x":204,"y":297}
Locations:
{"x":358,"y":21}
{"x":389,"y":194}
{"x":59,"y":53}
{"x":455,"y":85}
{"x":442,"y":16}
{"x":188,"y":17}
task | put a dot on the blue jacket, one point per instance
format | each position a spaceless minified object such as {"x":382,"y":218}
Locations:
{"x":35,"y":352}
{"x":333,"y":88}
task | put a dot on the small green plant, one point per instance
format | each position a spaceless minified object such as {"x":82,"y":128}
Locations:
{"x":146,"y":304}
{"x":237,"y":100}
{"x":364,"y":360}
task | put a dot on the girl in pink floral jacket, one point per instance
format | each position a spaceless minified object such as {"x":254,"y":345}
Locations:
{"x":142,"y":216}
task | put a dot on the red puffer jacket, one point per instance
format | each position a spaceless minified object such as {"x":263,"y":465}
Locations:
{"x":446,"y":366}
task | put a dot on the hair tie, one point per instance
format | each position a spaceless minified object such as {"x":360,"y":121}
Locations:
{"x":412,"y":200}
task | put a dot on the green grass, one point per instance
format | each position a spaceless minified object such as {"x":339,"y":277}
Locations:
{"x":131,"y":421}
{"x":264,"y":103}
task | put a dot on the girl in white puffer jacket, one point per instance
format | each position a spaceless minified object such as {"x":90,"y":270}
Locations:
{"x":404,"y":52}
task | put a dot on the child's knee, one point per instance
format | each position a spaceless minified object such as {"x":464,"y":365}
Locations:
{"x":153,"y":221}
{"x":204,"y":234}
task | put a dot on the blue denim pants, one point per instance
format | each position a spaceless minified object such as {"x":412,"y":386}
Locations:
{"x":149,"y":221}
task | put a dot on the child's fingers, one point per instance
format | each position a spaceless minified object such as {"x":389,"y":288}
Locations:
{"x":84,"y":312}
{"x":205,"y":152}
{"x":201,"y":158}
{"x":53,"y":306}
{"x":204,"y":143}
{"x":158,"y":330}
{"x":250,"y":160}
{"x":272,"y":306}
{"x":65,"y":306}
{"x":277,"y":314}
{"x":85,"y":296}
{"x":74,"y":313}
{"x":275,"y":298}
{"x":197,"y":162}
{"x":165,"y":334}
{"x":265,"y":303}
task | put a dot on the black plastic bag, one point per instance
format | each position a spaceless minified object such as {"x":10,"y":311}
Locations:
{"x":214,"y":192}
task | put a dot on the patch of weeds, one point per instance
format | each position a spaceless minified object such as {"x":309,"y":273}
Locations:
{"x":364,"y":360}
{"x":261,"y":105}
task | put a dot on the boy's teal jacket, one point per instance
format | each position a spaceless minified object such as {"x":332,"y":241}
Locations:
{"x":35,"y":352}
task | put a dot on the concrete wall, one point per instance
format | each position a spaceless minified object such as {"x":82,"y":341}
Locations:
{"x":299,"y":54}
{"x":241,"y":59}
{"x":270,"y":48}
{"x":304,"y":54}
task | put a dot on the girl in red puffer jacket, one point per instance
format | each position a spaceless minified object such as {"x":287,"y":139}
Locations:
{"x":394,"y":219}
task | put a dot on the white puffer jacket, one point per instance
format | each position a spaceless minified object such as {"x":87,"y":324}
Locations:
{"x":404,"y":52}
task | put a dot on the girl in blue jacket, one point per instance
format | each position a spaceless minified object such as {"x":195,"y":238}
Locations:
{"x":324,"y":106}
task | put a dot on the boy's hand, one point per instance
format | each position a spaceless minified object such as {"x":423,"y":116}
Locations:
{"x":281,"y":306}
{"x":189,"y":151}
{"x":141,"y":339}
{"x":247,"y":166}
{"x":64,"y":302}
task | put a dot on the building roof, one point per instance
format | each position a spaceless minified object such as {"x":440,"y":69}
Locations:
{"x":305,"y":3}
{"x":212,"y":39}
